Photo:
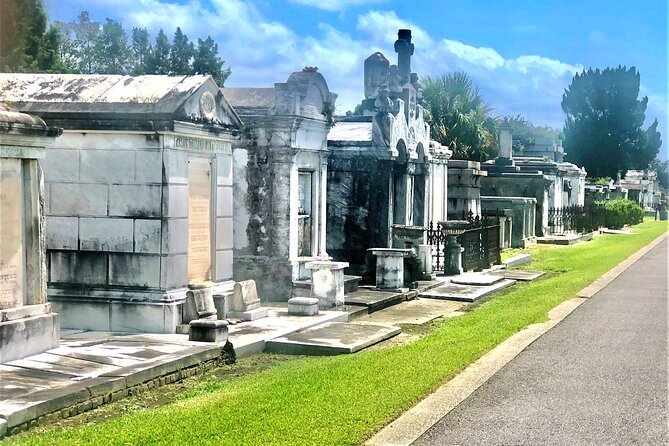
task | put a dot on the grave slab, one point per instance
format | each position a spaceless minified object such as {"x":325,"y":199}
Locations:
{"x":373,"y":300}
{"x":518,"y":260}
{"x":517,"y":274}
{"x":334,"y":338}
{"x":475,"y":279}
{"x":465,"y":293}
{"x":414,"y":312}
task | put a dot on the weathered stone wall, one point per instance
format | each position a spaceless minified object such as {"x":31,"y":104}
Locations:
{"x":358,"y":209}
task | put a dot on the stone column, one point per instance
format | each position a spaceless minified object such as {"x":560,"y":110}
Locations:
{"x":327,"y":282}
{"x":322,"y":236}
{"x":390,"y":267}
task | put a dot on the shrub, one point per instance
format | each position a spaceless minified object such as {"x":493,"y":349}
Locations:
{"x":621,"y":212}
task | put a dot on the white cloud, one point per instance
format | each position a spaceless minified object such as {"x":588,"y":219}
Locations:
{"x":335,"y":5}
{"x":261,"y":52}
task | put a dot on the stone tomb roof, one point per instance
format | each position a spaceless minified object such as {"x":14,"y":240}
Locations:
{"x":13,"y":121}
{"x":117,"y":97}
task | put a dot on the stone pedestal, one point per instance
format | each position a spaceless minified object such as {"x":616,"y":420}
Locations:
{"x":425,"y":259}
{"x":327,"y":282}
{"x":390,"y":267}
{"x":208,"y":330}
{"x":27,"y":325}
{"x":245,"y":303}
{"x":303,"y":306}
{"x":453,"y":257}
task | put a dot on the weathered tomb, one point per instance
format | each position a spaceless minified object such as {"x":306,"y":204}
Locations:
{"x":280,"y":180}
{"x":27,"y":325}
{"x":543,"y":176}
{"x":138,"y":194}
{"x":385,"y":175}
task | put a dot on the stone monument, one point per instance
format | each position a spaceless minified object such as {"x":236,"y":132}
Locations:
{"x":27,"y":325}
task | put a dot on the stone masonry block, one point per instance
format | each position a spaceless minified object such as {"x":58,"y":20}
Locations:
{"x":147,"y":236}
{"x":224,"y":170}
{"x":61,"y":165}
{"x":224,"y":233}
{"x":176,"y":166}
{"x":140,"y":201}
{"x":79,"y":199}
{"x":62,"y":233}
{"x":134,"y":270}
{"x":175,"y":201}
{"x":224,"y":265}
{"x":174,"y":271}
{"x":148,"y":166}
{"x":106,"y":234}
{"x":107,"y":166}
{"x":224,"y":201}
{"x":175,"y":236}
{"x":88,"y":268}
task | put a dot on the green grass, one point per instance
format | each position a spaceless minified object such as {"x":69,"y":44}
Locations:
{"x":344,"y":399}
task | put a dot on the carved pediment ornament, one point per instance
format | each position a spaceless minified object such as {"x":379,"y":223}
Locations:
{"x":208,"y":105}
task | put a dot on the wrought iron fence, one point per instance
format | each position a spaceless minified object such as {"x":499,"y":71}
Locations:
{"x":480,"y":240}
{"x":575,"y":219}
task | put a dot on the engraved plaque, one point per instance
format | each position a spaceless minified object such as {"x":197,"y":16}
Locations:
{"x":12,"y":262}
{"x":199,"y":219}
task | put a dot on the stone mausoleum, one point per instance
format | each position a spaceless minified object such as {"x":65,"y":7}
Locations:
{"x":27,"y":324}
{"x":384,"y":173}
{"x":281,"y":170}
{"x":138,"y":197}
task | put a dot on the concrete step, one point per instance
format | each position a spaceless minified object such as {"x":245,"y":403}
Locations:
{"x":333,"y":338}
{"x":373,"y":300}
{"x":302,"y":288}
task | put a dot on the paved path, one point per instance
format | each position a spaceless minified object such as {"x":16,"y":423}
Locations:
{"x":599,"y":377}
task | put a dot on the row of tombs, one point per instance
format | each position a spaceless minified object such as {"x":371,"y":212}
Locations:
{"x":153,"y":190}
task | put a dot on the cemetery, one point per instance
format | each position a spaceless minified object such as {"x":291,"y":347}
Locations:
{"x":154,"y":228}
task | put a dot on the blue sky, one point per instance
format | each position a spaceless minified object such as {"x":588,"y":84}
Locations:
{"x":522,"y":53}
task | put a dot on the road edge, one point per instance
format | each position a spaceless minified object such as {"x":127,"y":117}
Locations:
{"x":417,"y":420}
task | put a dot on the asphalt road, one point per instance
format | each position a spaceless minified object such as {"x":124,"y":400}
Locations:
{"x":598,"y":378}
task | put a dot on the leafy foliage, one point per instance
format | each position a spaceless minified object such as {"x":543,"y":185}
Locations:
{"x":26,"y":44}
{"x":86,"y":46}
{"x":621,"y":212}
{"x":460,"y":116}
{"x":525,"y":133}
{"x":603,"y":128}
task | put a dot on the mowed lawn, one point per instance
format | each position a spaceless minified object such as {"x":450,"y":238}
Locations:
{"x":345,"y":399}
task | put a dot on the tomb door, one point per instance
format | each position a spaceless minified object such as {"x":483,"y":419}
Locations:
{"x":305,"y":218}
{"x":12,"y":234}
{"x":199,"y":219}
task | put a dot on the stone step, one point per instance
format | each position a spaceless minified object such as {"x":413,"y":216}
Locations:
{"x":334,"y":338}
{"x":373,"y":300}
{"x":465,"y":293}
{"x":351,"y":284}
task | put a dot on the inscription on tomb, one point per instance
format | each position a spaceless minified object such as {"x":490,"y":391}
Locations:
{"x":11,"y":234}
{"x":199,"y":218}
{"x":201,"y":144}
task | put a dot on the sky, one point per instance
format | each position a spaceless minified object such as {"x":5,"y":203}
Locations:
{"x":522,"y":54}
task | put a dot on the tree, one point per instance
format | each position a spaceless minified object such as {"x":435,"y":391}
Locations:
{"x":86,"y":35}
{"x":159,"y":62}
{"x":49,"y":60}
{"x":662,"y":169}
{"x":460,"y":116}
{"x":603,"y":129}
{"x":111,"y":49}
{"x":25,"y":44}
{"x":206,"y":61}
{"x":140,"y":50}
{"x":181,"y":54}
{"x":525,"y":133}
{"x":650,"y":147}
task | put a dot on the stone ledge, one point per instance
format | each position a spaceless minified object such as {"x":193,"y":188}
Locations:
{"x":48,"y":406}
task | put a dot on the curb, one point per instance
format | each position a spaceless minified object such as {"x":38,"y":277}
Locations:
{"x":417,"y":420}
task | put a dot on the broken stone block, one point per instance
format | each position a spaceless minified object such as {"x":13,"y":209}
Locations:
{"x":245,"y":303}
{"x":327,"y":282}
{"x":303,"y":306}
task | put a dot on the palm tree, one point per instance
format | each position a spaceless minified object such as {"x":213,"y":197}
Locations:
{"x":460,"y":116}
